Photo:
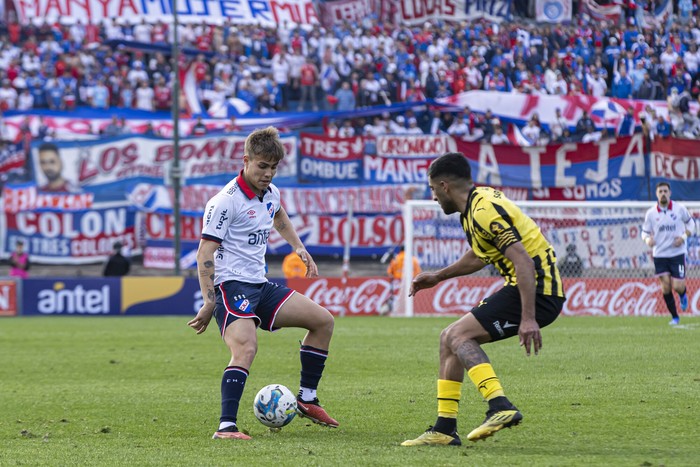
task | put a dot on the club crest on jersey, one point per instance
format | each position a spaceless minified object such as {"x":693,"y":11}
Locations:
{"x":242,"y":304}
{"x":496,"y":228}
{"x":270,"y":210}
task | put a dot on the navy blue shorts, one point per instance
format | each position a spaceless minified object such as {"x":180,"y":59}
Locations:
{"x":500,"y":314}
{"x":674,"y":266}
{"x":260,"y":302}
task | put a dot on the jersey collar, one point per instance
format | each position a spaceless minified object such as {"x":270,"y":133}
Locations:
{"x":244,"y":186}
{"x":669,"y":208}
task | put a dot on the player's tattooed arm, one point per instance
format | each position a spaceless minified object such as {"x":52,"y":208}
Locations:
{"x":205,"y":268}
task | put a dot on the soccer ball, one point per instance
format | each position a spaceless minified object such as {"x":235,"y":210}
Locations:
{"x":275,"y":406}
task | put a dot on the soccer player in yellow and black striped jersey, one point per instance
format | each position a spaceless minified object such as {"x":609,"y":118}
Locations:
{"x":532,"y":297}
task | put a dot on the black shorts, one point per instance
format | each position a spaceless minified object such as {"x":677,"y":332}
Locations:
{"x":675,"y":266}
{"x":500,"y":313}
{"x":242,"y":300}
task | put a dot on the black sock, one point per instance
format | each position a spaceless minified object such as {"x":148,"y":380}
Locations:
{"x":671,"y":304}
{"x":232,"y":385}
{"x":683,"y":293}
{"x":500,"y":403}
{"x":313,"y":361}
{"x":445,"y":425}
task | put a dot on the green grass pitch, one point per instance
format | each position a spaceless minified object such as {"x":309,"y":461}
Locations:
{"x":145,"y":391}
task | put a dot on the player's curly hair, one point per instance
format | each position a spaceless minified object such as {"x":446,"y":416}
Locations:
{"x":452,"y":164}
{"x":265,"y":143}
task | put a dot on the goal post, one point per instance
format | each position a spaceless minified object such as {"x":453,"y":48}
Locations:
{"x":597,"y":243}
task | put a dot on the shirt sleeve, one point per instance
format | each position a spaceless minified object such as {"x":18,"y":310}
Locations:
{"x":495,"y":226}
{"x":647,"y":227}
{"x":217,"y":218}
{"x":688,"y":221}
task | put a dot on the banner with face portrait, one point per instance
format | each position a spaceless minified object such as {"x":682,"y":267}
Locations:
{"x":112,"y":167}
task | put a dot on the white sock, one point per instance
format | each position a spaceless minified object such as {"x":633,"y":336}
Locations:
{"x":224,"y":425}
{"x":307,"y":394}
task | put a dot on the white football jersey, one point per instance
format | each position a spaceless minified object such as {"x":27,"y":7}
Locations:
{"x":240,"y":221}
{"x":666,"y":225}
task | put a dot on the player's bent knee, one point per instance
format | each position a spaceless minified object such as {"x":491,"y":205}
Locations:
{"x":325,"y":322}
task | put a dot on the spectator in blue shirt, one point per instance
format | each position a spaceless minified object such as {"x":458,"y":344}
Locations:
{"x":622,"y":86}
{"x":663,"y":128}
{"x":345,"y":96}
{"x":627,"y":125}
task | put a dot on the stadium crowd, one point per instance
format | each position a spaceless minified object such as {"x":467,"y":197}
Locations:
{"x":117,"y":65}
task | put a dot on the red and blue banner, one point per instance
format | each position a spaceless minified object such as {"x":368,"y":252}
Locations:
{"x":323,"y":159}
{"x":563,"y":166}
{"x":676,"y":161}
{"x":71,"y":237}
{"x":263,"y":12}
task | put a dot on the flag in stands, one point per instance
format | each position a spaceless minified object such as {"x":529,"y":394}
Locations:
{"x":515,"y":136}
{"x":602,"y":12}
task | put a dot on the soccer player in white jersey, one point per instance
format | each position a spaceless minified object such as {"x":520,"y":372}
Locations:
{"x":666,"y":229}
{"x":231,"y":267}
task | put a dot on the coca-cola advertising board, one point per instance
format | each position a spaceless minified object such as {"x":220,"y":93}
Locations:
{"x":363,"y":296}
{"x":586,"y":296}
{"x":356,"y":296}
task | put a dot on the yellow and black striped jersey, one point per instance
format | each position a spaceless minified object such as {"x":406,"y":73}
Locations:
{"x":492,"y":223}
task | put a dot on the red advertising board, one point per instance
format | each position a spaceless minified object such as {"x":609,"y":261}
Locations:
{"x":358,"y":296}
{"x":585,"y":297}
{"x":8,"y":298}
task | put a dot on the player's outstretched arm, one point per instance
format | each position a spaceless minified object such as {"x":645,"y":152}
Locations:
{"x":285,"y":228}
{"x":467,"y":264}
{"x":205,"y":270}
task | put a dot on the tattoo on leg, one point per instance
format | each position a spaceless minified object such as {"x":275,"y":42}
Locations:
{"x":471,"y":354}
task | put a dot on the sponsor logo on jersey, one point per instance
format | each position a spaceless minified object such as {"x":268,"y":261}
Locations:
{"x":232,"y":190}
{"x":209,"y":213}
{"x":251,"y":214}
{"x":222,"y":218}
{"x":496,"y":228}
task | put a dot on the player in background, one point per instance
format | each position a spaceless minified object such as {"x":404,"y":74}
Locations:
{"x":666,"y":229}
{"x":532,"y":297}
{"x":231,"y":267}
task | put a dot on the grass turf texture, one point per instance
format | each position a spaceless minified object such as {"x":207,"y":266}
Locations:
{"x":145,"y":391}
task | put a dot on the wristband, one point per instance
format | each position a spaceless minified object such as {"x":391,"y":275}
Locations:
{"x":684,"y":236}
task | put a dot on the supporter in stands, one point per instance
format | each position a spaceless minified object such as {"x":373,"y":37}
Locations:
{"x":199,"y":128}
{"x":459,"y":127}
{"x":532,"y":132}
{"x":308,"y":82}
{"x":383,"y":63}
{"x":584,"y":124}
{"x":345,"y":97}
{"x":498,"y":137}
{"x":347,"y":130}
{"x":663,"y":128}
{"x":413,"y":128}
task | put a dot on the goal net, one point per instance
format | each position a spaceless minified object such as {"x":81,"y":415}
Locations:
{"x":606,"y":267}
